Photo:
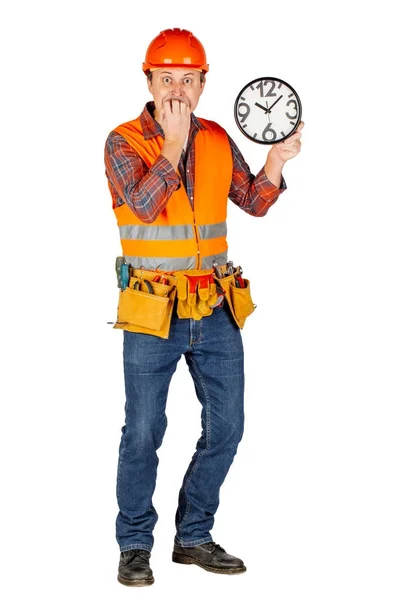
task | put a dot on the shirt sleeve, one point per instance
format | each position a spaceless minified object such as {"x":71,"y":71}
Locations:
{"x":145,"y":190}
{"x":253,"y":194}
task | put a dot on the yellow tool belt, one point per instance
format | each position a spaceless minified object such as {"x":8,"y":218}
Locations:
{"x":147,"y":303}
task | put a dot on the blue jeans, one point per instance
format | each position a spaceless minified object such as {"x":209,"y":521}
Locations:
{"x":214,"y":354}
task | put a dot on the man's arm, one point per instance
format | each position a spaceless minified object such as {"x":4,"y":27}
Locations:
{"x":253,"y":194}
{"x":146,"y":191}
{"x":256,"y":194}
{"x":280,"y":153}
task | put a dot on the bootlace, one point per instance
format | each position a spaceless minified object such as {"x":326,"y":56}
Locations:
{"x":138,"y":552}
{"x":215,"y":546}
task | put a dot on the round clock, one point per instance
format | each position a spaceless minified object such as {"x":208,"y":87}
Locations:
{"x":267,"y":110}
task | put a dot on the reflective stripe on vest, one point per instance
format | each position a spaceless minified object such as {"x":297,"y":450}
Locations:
{"x":181,"y":238}
{"x":175,"y":264}
{"x":171,"y":232}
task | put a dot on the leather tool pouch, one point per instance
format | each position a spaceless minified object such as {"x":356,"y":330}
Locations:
{"x":197,"y":293}
{"x":143,"y":312}
{"x":239,"y":299}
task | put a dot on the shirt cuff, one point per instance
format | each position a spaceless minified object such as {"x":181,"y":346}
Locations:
{"x":163,"y":169}
{"x":263,"y":184}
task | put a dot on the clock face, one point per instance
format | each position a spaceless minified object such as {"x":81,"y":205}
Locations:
{"x":267,"y":110}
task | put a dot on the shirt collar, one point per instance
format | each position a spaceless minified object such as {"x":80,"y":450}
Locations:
{"x":151,"y":127}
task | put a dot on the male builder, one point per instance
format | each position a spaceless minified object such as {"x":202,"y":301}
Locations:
{"x":170,"y":175}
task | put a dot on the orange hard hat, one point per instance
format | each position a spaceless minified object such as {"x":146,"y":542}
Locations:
{"x":175,"y":48}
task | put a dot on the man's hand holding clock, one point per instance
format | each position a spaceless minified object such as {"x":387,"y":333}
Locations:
{"x":280,"y":153}
{"x":268,"y":111}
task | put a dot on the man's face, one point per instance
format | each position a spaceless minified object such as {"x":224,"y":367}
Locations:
{"x":174,"y":83}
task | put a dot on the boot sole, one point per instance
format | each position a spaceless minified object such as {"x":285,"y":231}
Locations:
{"x":189,"y":560}
{"x":136,"y":582}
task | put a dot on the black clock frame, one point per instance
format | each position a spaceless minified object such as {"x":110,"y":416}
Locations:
{"x":263,"y":142}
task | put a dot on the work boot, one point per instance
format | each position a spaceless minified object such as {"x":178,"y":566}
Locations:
{"x":209,"y":556}
{"x":134,"y":568}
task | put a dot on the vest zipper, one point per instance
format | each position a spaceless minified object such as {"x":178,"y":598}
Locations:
{"x":197,"y":242}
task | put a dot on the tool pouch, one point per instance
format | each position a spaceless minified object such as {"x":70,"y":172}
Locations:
{"x":239,"y":299}
{"x":196,"y":293}
{"x":242,"y":303}
{"x":143,"y":312}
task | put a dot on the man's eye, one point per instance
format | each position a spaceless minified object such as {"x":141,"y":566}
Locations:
{"x":187,"y":80}
{"x":167,"y":79}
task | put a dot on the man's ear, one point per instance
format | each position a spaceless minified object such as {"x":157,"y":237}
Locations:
{"x":149,"y":85}
{"x":202,"y":84}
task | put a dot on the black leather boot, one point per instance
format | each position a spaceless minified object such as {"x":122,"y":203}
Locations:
{"x":134,"y":568}
{"x":210,"y":557}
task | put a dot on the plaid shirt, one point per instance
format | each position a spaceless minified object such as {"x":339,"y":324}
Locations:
{"x":147,"y":190}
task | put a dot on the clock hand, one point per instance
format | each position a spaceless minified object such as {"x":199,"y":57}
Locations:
{"x":263,"y":107}
{"x":275,"y":103}
{"x":268,"y":111}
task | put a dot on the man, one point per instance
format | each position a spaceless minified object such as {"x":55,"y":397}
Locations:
{"x":170,"y":175}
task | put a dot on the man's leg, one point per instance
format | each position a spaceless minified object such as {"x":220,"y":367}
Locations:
{"x":215,"y":362}
{"x":149,"y":363}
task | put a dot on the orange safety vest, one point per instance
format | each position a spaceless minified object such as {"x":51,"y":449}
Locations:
{"x":181,"y":238}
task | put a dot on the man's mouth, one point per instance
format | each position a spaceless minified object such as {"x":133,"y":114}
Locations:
{"x":180,"y":99}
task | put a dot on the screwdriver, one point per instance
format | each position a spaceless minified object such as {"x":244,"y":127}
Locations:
{"x":122,"y":270}
{"x":124,"y":276}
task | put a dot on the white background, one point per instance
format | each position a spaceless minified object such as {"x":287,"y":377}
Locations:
{"x":312,"y":500}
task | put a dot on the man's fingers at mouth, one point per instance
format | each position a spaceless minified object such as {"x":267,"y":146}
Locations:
{"x":175,"y":105}
{"x":184,"y":108}
{"x":166,"y":106}
{"x":176,"y":101}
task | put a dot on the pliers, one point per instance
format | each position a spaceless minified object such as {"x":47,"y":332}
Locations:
{"x":147,"y":284}
{"x":161,"y":279}
{"x":239,"y":281}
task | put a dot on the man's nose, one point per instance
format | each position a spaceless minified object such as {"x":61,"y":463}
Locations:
{"x":176,"y":89}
